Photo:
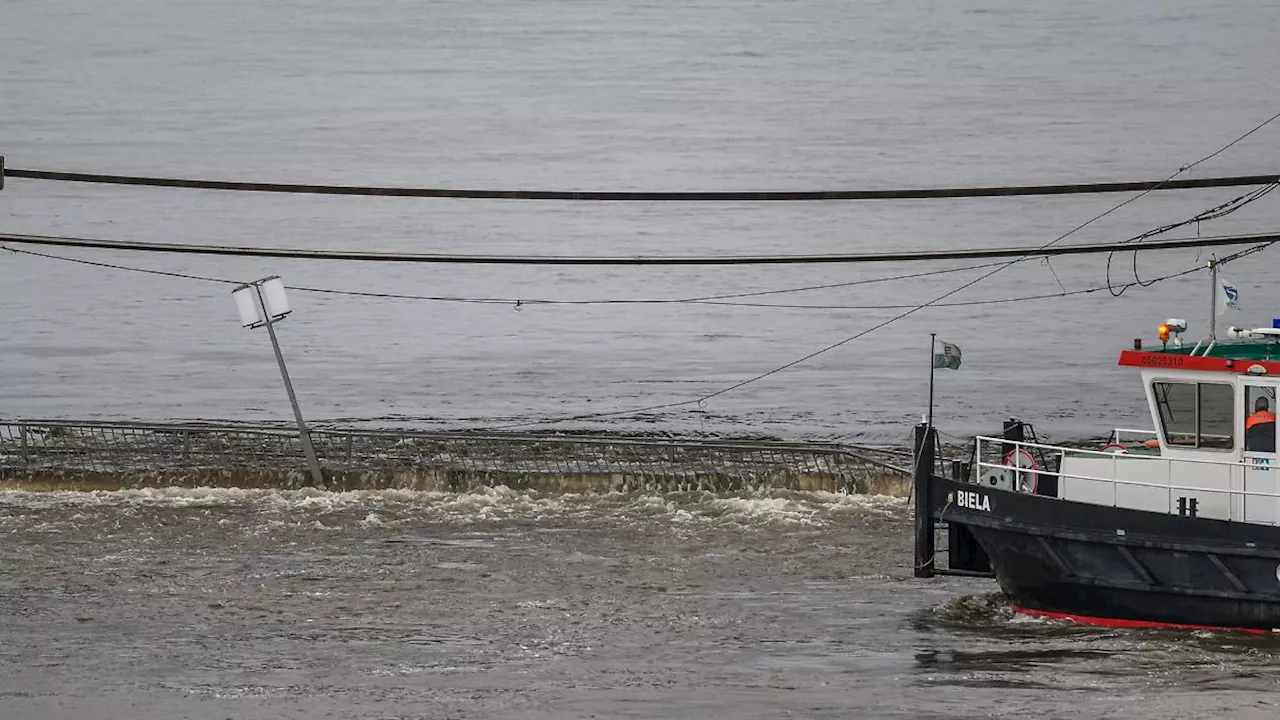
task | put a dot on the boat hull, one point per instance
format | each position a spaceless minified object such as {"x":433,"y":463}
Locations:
{"x":1058,"y":557}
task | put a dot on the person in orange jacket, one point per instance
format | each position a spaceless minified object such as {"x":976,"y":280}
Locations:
{"x":1261,"y":414}
{"x":1260,"y":428}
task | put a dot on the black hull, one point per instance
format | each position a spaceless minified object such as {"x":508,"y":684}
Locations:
{"x":1078,"y":559}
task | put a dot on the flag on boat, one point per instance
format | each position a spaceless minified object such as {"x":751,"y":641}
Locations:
{"x":946,"y":356}
{"x":1228,"y":296}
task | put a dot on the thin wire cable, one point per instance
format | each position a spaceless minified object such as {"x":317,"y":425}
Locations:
{"x":701,"y":401}
{"x":628,"y":196}
{"x":722,"y":303}
{"x":705,"y":300}
{"x":708,"y":299}
{"x":1213,"y":213}
{"x":1057,"y":279}
{"x":112,"y":266}
{"x":944,"y":296}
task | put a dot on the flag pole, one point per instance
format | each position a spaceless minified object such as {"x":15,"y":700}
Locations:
{"x":1213,"y":299}
{"x":933,"y":345}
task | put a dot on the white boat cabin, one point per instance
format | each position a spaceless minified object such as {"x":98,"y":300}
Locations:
{"x":1212,"y":452}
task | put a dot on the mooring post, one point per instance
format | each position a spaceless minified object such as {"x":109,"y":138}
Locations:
{"x":1,"y":172}
{"x":924,"y":443}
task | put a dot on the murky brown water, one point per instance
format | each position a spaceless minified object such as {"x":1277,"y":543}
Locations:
{"x":217,"y":604}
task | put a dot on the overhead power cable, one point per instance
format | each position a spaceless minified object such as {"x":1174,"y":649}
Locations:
{"x":636,"y":196}
{"x":113,"y":266}
{"x":706,"y":299}
{"x":1021,"y":253}
{"x":701,"y":401}
{"x":703,"y":300}
{"x":710,"y":299}
{"x":519,"y":302}
{"x":911,"y":311}
{"x":1218,"y":211}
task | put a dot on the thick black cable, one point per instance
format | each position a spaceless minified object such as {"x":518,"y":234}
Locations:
{"x":710,"y":299}
{"x":1020,"y":253}
{"x":705,"y":300}
{"x":629,"y":196}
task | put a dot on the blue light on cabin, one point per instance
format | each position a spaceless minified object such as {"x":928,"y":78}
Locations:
{"x":1275,"y":323}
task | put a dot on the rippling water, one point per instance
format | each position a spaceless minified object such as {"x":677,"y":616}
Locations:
{"x":689,"y":95}
{"x":214,"y":604}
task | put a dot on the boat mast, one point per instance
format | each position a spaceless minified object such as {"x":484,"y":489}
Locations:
{"x":1213,"y":299}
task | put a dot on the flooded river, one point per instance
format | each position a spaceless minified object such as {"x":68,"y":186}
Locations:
{"x":209,"y":605}
{"x":212,"y":604}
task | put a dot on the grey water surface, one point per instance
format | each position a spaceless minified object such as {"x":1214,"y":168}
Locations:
{"x":274,"y":604}
{"x":622,"y":96}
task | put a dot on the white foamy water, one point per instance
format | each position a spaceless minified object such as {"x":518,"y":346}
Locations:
{"x":385,"y":508}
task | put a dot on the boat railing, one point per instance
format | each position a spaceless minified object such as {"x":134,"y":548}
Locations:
{"x":1158,"y":473}
{"x":1118,"y":435}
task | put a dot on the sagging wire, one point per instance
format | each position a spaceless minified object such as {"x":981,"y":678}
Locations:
{"x":521,"y":303}
{"x":112,"y":266}
{"x":1213,"y":213}
{"x":961,"y":288}
{"x":633,"y":196}
{"x":518,"y":303}
{"x":701,"y":401}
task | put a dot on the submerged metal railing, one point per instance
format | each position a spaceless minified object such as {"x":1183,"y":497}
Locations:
{"x":71,"y":450}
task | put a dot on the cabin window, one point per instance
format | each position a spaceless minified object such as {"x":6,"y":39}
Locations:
{"x":1196,"y":415}
{"x":1217,"y":416}
{"x":1259,"y":418}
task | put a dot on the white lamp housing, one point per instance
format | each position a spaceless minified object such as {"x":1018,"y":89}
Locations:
{"x":247,"y":305}
{"x":277,"y":301}
{"x":246,"y":297}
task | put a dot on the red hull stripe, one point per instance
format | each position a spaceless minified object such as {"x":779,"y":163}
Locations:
{"x":1170,"y":361}
{"x":1132,"y":624}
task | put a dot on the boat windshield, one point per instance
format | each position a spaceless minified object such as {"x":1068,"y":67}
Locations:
{"x":1196,"y":414}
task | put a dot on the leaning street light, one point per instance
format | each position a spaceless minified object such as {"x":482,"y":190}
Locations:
{"x":263,"y":302}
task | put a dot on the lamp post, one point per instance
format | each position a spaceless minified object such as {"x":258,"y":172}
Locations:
{"x":263,"y":302}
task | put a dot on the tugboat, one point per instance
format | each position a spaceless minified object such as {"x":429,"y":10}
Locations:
{"x":1180,"y":529}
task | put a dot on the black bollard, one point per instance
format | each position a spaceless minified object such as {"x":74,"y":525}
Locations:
{"x":925,"y":441}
